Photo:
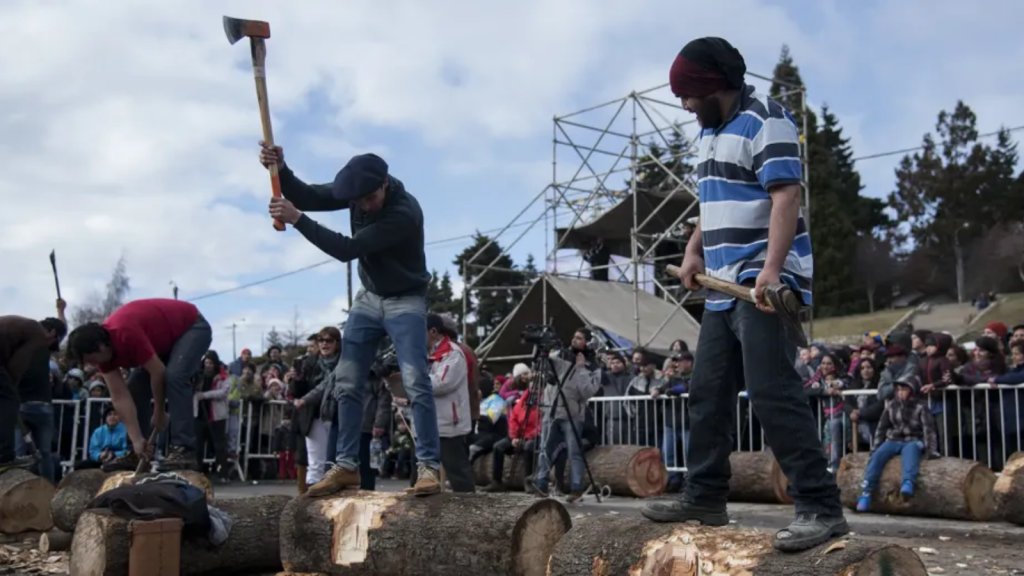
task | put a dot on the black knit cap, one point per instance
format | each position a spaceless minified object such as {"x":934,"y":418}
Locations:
{"x":361,"y":176}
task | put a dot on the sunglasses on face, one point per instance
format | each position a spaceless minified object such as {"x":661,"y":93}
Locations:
{"x":327,"y":340}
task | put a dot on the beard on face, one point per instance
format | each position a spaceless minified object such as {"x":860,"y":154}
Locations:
{"x":709,"y":113}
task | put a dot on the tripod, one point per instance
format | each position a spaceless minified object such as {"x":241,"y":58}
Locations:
{"x":542,"y":362}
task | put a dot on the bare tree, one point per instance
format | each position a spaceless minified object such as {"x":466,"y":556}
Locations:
{"x":97,"y":308}
{"x":875,"y":265}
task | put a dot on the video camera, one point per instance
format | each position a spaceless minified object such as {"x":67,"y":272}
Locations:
{"x":543,"y":336}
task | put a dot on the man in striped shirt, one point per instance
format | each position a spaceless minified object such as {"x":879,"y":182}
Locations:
{"x":750,"y":232}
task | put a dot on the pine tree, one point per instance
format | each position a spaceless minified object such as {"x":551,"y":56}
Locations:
{"x":662,"y":160}
{"x":491,"y":305}
{"x":274,"y":338}
{"x":530,"y":272}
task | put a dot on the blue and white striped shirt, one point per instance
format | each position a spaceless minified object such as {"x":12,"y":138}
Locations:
{"x":738,"y":163}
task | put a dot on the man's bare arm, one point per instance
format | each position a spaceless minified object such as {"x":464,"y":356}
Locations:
{"x":782,"y":226}
{"x":125,"y":407}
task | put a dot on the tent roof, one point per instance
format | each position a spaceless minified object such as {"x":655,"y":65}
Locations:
{"x":609,"y":306}
{"x":614,"y":224}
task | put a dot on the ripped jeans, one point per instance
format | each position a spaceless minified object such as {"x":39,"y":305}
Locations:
{"x":404,"y":319}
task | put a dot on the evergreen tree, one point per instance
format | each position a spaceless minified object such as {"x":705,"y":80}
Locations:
{"x":441,"y":296}
{"x":530,"y":272}
{"x":274,"y":338}
{"x":491,"y":305}
{"x":662,"y":160}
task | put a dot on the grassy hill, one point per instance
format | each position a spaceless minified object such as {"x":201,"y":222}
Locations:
{"x":850,"y":328}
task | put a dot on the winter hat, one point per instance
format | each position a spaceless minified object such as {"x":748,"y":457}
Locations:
{"x":987,"y":344}
{"x":895,"y":350}
{"x":911,"y":382}
{"x":519,"y":370}
{"x":999,"y":328}
{"x":705,"y":66}
{"x":362,"y":175}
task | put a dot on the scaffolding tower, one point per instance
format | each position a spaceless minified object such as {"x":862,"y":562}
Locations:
{"x":618,"y":173}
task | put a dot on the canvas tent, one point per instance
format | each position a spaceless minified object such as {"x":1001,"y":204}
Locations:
{"x":608,"y":306}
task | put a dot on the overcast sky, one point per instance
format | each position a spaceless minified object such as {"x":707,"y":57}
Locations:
{"x":130,"y":128}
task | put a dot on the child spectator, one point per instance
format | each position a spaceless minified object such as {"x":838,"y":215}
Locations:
{"x":110,"y":440}
{"x":906,"y":429}
{"x":398,"y":457}
{"x":493,"y":423}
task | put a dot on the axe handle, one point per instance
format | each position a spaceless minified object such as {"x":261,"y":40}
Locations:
{"x":723,"y":286}
{"x":56,"y":279}
{"x":259,"y":57}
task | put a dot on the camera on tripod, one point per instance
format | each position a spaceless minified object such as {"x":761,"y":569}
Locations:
{"x":543,"y":336}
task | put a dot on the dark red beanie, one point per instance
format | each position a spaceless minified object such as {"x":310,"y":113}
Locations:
{"x":705,"y":66}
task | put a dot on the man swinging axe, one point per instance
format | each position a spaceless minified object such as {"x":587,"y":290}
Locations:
{"x":751,"y":233}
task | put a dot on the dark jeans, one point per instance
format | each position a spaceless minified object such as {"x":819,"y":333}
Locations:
{"x":504,"y":447}
{"x":184,"y":361}
{"x":8,"y":416}
{"x":746,"y":345}
{"x":38,"y":418}
{"x":455,"y":460}
{"x":213,"y":435}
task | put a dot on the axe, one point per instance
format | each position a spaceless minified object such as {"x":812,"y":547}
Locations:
{"x":257,"y":31}
{"x":53,"y":264}
{"x":781,"y":299}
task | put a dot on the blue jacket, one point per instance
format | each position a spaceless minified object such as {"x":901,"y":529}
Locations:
{"x":104,"y":437}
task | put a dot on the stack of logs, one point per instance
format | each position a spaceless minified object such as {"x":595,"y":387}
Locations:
{"x":390,"y":533}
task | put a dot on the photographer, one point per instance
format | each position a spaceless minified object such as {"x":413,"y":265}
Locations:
{"x":582,"y":379}
{"x":387,"y":240}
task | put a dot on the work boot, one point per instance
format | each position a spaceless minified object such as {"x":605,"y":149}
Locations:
{"x":685,"y":510}
{"x":300,"y":478}
{"x":179,"y":458}
{"x":23,"y":462}
{"x":427,"y":481}
{"x":809,"y":530}
{"x":336,"y":480}
{"x":129,"y":462}
{"x":494,"y":487}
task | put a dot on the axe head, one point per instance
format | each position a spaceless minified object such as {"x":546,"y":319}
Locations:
{"x":787,"y":306}
{"x":237,"y":28}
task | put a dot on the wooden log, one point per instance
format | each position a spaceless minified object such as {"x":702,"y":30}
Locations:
{"x":636,"y":471}
{"x":614,"y":545}
{"x":366,"y":533}
{"x":1008,"y":490}
{"x":73,"y":495}
{"x":54,"y":541}
{"x":101,"y":543}
{"x":946,"y":488}
{"x":757,"y":477}
{"x":79,"y":488}
{"x":513,"y":473}
{"x":24,"y":502}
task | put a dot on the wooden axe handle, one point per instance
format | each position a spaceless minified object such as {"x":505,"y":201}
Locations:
{"x":723,"y":286}
{"x":259,"y":57}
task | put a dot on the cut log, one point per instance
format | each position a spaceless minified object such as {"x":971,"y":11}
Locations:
{"x":54,"y":541}
{"x":79,"y":488}
{"x":513,"y":473}
{"x":946,"y":488}
{"x":24,"y":502}
{"x":636,"y":471}
{"x":757,"y":477}
{"x":1009,"y":490}
{"x":365,"y":533}
{"x":73,"y":494}
{"x":614,"y":545}
{"x":101,"y":543}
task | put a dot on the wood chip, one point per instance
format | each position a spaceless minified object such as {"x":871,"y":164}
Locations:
{"x":945,"y":538}
{"x":924,"y":550}
{"x":835,"y":546}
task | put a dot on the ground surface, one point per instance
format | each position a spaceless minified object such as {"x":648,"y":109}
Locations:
{"x":946,"y":546}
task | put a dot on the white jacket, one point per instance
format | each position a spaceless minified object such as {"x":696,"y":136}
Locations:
{"x":449,"y":375}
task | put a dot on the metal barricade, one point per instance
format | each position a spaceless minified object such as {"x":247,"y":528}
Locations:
{"x":66,"y":431}
{"x":261,"y":419}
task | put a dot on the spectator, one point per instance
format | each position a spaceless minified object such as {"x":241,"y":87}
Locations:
{"x":988,"y":363}
{"x":918,"y":342}
{"x":239,"y":364}
{"x":866,"y":379}
{"x":512,"y":388}
{"x":399,"y":456}
{"x":1018,"y":334}
{"x":897,"y":368}
{"x":110,"y":440}
{"x":907,"y":430}
{"x":644,"y":420}
{"x":827,"y":385}
{"x":523,"y":429}
{"x":210,"y":409}
{"x":317,"y":408}
{"x":674,"y":385}
{"x":493,"y":423}
{"x":613,"y":416}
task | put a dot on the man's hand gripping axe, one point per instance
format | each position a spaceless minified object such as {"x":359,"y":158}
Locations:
{"x":257,"y":31}
{"x":781,"y":298}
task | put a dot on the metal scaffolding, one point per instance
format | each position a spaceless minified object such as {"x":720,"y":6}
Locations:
{"x":603,"y":158}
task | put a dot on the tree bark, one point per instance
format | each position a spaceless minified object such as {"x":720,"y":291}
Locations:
{"x":757,"y":477}
{"x":614,"y":545}
{"x":636,"y":471}
{"x":77,"y":490}
{"x":24,"y":502}
{"x":513,"y":473}
{"x":372,"y":533}
{"x":101,"y":544}
{"x":73,"y":495}
{"x":54,"y":541}
{"x":945,"y":488}
{"x":1009,"y":490}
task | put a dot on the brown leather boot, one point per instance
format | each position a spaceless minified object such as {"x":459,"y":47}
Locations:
{"x":300,"y":478}
{"x":336,"y":480}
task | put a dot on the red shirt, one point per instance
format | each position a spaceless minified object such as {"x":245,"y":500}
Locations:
{"x":144,"y":328}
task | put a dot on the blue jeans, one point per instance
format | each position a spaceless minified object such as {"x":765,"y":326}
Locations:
{"x":555,"y":433}
{"x":404,"y":319}
{"x":38,"y":418}
{"x":910,"y":458}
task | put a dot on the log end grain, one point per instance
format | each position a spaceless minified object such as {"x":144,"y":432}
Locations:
{"x":535,"y":535}
{"x":54,"y":541}
{"x":649,"y":476}
{"x":1009,"y":495}
{"x":889,"y":560}
{"x":978,"y":490}
{"x":24,"y":502}
{"x":90,"y":555}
